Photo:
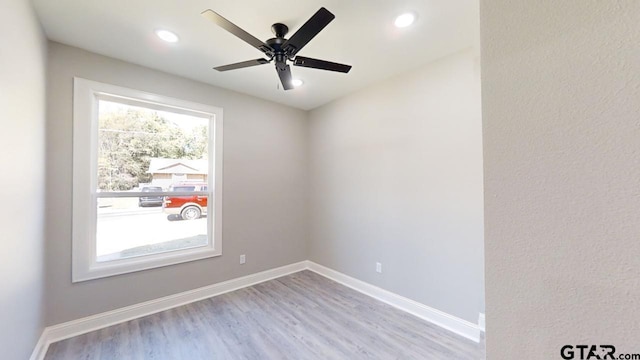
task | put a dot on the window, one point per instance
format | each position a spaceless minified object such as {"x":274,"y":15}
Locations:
{"x":147,"y":180}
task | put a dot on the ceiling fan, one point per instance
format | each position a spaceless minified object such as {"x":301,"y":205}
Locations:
{"x":280,"y":49}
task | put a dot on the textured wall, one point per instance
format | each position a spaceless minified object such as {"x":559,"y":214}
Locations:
{"x":265,"y":188}
{"x":22,"y":164}
{"x":396,"y":177}
{"x":561,"y":110}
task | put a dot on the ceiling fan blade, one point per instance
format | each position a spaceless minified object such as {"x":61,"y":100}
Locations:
{"x":308,"y":31}
{"x":241,"y":65}
{"x":284,"y":72}
{"x":321,"y":64}
{"x":237,"y":31}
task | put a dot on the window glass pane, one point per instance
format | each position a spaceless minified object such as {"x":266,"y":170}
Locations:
{"x":147,"y":150}
{"x":139,"y":146}
{"x":183,"y":188}
{"x":125,"y":230}
{"x":151,"y":189}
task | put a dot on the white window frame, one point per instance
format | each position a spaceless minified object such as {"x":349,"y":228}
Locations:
{"x":86,"y":94}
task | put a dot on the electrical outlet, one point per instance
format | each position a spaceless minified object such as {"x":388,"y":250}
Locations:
{"x":243,"y":259}
{"x":379,"y":267}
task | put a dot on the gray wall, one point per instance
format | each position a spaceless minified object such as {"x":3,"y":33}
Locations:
{"x":396,"y":177}
{"x":561,"y":110}
{"x":265,"y":188}
{"x":22,"y":160}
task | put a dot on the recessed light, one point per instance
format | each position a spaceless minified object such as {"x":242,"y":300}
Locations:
{"x":167,"y":36}
{"x":405,"y":20}
{"x":297,"y":82}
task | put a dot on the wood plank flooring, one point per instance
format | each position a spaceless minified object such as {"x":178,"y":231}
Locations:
{"x":299,"y":316}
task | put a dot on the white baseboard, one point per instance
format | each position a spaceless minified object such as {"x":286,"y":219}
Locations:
{"x":481,"y":323}
{"x":41,"y":347}
{"x":73,"y":328}
{"x":77,"y":327}
{"x":459,"y":326}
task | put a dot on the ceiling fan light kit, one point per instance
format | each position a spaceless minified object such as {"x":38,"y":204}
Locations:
{"x":279,"y":49}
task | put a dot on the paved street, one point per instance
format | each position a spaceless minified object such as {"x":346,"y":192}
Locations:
{"x":130,"y":231}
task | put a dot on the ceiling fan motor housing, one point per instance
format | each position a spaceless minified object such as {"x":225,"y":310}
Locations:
{"x":279,"y":54}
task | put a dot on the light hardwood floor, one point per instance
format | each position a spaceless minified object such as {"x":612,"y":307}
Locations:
{"x":299,"y":316}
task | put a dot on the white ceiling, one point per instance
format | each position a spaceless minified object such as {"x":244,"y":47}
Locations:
{"x":361,"y":35}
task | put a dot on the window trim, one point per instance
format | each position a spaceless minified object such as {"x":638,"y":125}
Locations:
{"x":86,"y":94}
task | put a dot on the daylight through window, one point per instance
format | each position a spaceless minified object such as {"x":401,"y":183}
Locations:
{"x":144,"y":150}
{"x":146,"y":171}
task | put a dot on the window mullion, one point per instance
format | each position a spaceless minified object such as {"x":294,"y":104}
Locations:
{"x":125,"y":194}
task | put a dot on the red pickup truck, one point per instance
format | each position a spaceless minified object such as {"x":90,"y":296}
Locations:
{"x":188,"y":207}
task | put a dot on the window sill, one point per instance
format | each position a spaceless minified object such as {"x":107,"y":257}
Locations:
{"x":97,"y":270}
